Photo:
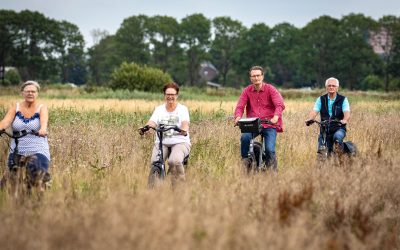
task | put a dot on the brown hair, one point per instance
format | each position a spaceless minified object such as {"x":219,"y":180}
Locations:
{"x":256,"y":68}
{"x":171,"y":85}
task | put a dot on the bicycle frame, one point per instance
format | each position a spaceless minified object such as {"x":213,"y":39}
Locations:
{"x":323,"y":152}
{"x":254,"y":126}
{"x":157,"y":171}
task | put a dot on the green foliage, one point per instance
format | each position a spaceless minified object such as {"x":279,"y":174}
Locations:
{"x":372,"y":82}
{"x":50,"y":50}
{"x":195,"y":35}
{"x":225,"y":43}
{"x":12,"y":77}
{"x":42,"y":48}
{"x":253,"y":49}
{"x":394,"y":84}
{"x":132,"y":76}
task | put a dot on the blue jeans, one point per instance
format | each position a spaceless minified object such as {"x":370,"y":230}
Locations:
{"x":269,"y":142}
{"x":339,"y":135}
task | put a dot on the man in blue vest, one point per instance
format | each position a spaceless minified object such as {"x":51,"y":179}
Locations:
{"x":331,"y":106}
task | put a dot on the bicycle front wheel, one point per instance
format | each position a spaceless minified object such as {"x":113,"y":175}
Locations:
{"x":155,"y":177}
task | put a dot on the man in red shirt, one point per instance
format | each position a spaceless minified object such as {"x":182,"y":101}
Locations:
{"x":264,"y":101}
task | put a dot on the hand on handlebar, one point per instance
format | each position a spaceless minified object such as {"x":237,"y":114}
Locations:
{"x":144,"y":129}
{"x":274,"y":119}
{"x":236,"y":121}
{"x":41,"y":132}
{"x":309,"y":122}
{"x":183,"y":132}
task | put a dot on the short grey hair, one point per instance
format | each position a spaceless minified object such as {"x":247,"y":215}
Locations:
{"x":332,"y":78}
{"x":27,"y":83}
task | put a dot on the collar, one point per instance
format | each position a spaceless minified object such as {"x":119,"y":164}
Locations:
{"x":261,"y":89}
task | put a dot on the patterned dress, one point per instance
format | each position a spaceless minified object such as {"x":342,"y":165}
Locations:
{"x":30,"y":144}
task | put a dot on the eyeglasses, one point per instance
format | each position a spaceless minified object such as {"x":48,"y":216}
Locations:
{"x":331,"y":86}
{"x":172,"y":95}
{"x":30,"y":92}
{"x":254,"y":76}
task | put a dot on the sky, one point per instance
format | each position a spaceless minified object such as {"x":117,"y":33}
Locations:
{"x":108,"y":15}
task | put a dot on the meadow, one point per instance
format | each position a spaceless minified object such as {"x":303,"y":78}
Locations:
{"x":99,"y":197}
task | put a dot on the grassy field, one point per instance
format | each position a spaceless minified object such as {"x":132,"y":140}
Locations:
{"x":99,"y":198}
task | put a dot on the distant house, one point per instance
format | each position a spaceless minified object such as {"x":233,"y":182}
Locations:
{"x":213,"y":85}
{"x":207,"y":71}
{"x":380,"y":41}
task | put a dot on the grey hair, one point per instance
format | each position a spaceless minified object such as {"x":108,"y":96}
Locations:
{"x":332,"y":78}
{"x":27,"y":83}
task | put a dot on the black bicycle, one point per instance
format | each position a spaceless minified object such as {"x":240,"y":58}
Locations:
{"x":324,"y":152}
{"x":22,"y":178}
{"x":257,"y":157}
{"x":157,"y":170}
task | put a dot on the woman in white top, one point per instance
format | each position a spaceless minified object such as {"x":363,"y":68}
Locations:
{"x":29,"y":115}
{"x":175,"y":146}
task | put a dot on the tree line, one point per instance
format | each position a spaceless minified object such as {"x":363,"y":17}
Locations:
{"x":47,"y":49}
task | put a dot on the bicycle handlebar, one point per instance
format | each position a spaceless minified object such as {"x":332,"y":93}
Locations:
{"x":18,"y":134}
{"x":323,"y":123}
{"x":262,"y":121}
{"x":266,"y":121}
{"x":161,"y":128}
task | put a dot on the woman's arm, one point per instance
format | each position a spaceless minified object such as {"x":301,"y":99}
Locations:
{"x":185,"y":126}
{"x":8,"y":118}
{"x":44,"y":119}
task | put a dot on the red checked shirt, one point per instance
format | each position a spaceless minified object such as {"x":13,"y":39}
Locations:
{"x":263,"y":104}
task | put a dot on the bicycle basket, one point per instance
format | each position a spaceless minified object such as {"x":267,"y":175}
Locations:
{"x":250,"y":125}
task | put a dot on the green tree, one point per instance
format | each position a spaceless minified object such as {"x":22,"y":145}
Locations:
{"x":253,"y":49}
{"x":103,"y":59}
{"x":319,"y":49}
{"x":70,"y":45}
{"x":356,"y":59}
{"x":166,"y":53}
{"x":390,"y":34}
{"x":226,"y":39}
{"x":195,"y":36}
{"x":132,"y":40}
{"x":284,"y":53}
{"x":8,"y":31}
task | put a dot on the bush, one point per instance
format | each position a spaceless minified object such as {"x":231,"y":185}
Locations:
{"x":132,"y":76}
{"x":372,"y":82}
{"x":12,"y":77}
{"x":394,"y":84}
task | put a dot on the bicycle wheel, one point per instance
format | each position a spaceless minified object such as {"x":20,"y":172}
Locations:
{"x":155,"y":176}
{"x":19,"y":185}
{"x":257,"y":152}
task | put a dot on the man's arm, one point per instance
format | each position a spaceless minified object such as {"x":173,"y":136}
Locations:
{"x":346,"y":117}
{"x":277,"y":99}
{"x":346,"y":111}
{"x":313,"y":114}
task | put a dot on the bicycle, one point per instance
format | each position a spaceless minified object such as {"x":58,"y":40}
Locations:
{"x":324,"y":152}
{"x":157,"y":170}
{"x":256,"y":155}
{"x":22,"y":179}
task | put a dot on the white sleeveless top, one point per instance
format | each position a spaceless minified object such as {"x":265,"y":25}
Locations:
{"x":29,"y":144}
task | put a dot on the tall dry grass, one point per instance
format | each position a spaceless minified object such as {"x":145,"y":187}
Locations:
{"x":99,"y":198}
